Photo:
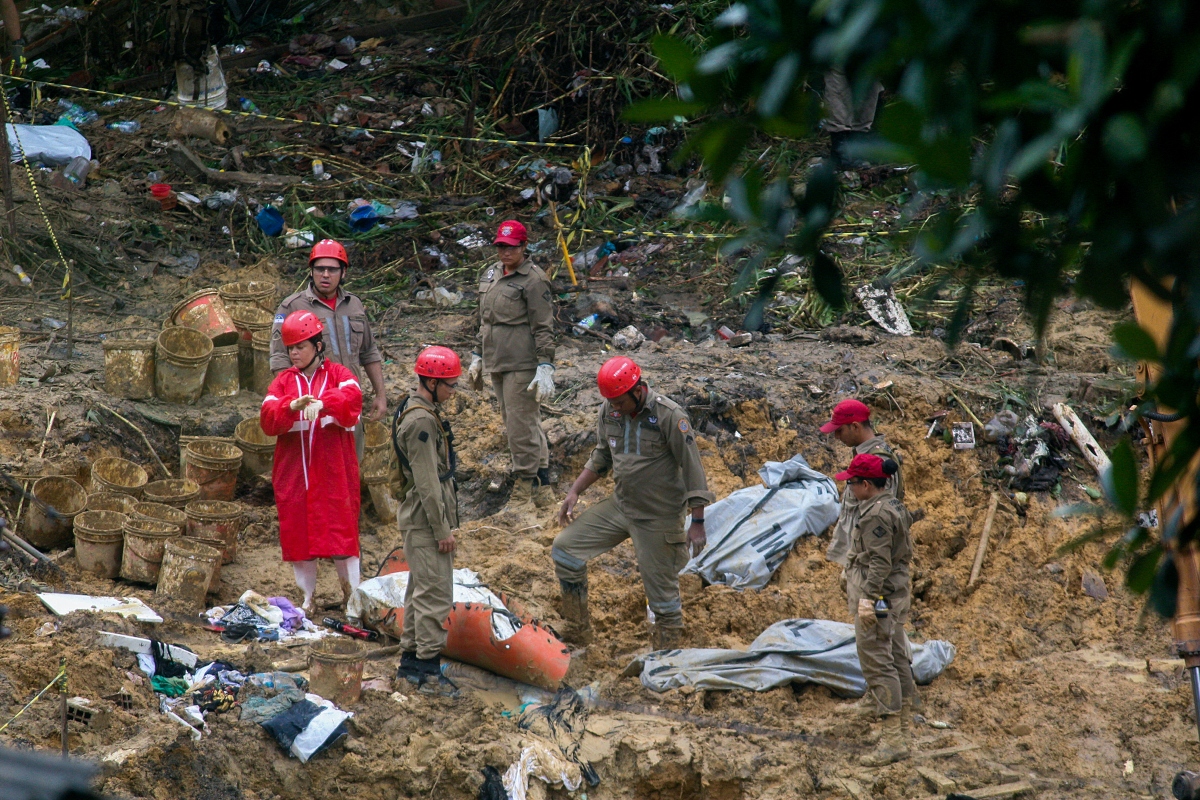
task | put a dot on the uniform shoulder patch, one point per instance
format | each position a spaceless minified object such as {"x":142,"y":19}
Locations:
{"x":612,"y":442}
{"x":652,"y":420}
{"x":423,"y":436}
{"x":684,"y":427}
{"x":279,"y":319}
{"x":880,"y":530}
{"x":546,"y":295}
{"x":615,"y":414}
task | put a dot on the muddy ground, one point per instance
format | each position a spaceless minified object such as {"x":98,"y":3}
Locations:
{"x":1077,"y":696}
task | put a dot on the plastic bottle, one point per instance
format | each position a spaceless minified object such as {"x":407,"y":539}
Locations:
{"x":650,"y":614}
{"x":318,"y":168}
{"x":25,"y":279}
{"x":77,"y":170}
{"x":247,"y":105}
{"x":127,"y":126}
{"x":587,"y":323}
{"x":881,"y":608}
{"x":155,"y":177}
{"x":76,"y":113}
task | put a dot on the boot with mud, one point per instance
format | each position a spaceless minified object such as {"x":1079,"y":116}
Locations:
{"x":863,"y":709}
{"x":892,"y":747}
{"x":663,"y":637}
{"x":907,"y":706}
{"x":543,"y":493}
{"x":409,"y":669}
{"x":521,"y":499}
{"x":575,"y":612}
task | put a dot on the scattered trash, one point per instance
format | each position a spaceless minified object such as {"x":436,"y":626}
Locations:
{"x":962,"y":435}
{"x":51,"y":145}
{"x":47,"y":629}
{"x":21,"y":276}
{"x":790,"y":651}
{"x":309,"y":727}
{"x":165,"y":197}
{"x":248,"y":105}
{"x":77,"y":114}
{"x":125,"y":126}
{"x":219,"y":200}
{"x":337,"y":65}
{"x":1003,"y":424}
{"x":547,"y":124}
{"x":628,"y":338}
{"x":298,"y":239}
{"x":135,"y":644}
{"x":52,"y":324}
{"x":63,"y":604}
{"x":269,"y":220}
{"x":740,"y":339}
{"x":881,"y":305}
{"x":540,"y":761}
{"x":751,"y":531}
{"x":202,"y":124}
{"x":474,"y":241}
{"x":318,"y":168}
{"x":363,"y":218}
{"x":590,"y":322}
{"x":350,"y":630}
{"x":724,"y":333}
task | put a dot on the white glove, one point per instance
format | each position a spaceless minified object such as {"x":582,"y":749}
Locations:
{"x":542,"y":383}
{"x":866,"y":611}
{"x":312,"y":410}
{"x":301,"y":402}
{"x":475,"y":372}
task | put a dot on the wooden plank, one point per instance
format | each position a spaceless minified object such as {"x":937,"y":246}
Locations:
{"x":411,"y":24}
{"x":983,"y":539}
{"x":936,"y":780}
{"x":989,"y":792}
{"x":947,"y":751}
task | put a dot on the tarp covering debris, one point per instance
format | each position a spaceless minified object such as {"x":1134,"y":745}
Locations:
{"x":751,"y":531}
{"x":791,"y":651}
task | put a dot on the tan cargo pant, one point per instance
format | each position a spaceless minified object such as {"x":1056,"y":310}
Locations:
{"x":883,"y":651}
{"x":429,"y":595}
{"x":841,"y":114}
{"x":660,"y":545}
{"x":522,"y":422}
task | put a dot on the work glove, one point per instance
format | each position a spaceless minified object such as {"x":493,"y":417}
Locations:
{"x":301,"y":402}
{"x":543,"y":383}
{"x":866,"y":611}
{"x":313,"y":410}
{"x":475,"y":372}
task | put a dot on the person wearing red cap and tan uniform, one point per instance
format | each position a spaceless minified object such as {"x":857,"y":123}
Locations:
{"x":348,"y":338}
{"x":428,"y":515}
{"x":879,"y":590}
{"x":313,"y":407}
{"x":850,"y":424}
{"x":515,"y":346}
{"x":647,"y":441}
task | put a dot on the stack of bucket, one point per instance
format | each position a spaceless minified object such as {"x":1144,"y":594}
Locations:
{"x":206,"y":346}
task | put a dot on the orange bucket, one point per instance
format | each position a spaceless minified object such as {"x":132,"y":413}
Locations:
{"x":205,"y":311}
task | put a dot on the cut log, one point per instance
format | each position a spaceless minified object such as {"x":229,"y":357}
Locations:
{"x":1097,"y":459}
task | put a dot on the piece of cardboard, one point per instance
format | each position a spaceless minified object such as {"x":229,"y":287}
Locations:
{"x":63,"y":604}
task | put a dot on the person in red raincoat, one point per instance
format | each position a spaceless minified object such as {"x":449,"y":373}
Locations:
{"x":313,"y":407}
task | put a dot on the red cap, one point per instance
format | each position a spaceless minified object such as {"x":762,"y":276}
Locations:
{"x":511,"y":233}
{"x":845,"y":412}
{"x":863,"y":465}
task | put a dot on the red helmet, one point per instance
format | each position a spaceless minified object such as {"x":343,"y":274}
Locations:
{"x":438,"y":362}
{"x":328,"y":248}
{"x":618,"y":376}
{"x":300,"y":326}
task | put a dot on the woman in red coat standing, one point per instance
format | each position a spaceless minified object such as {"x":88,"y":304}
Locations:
{"x":313,"y":407}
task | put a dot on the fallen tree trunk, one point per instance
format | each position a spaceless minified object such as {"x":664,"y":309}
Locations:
{"x":190,"y":163}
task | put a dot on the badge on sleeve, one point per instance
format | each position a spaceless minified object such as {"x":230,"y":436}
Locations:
{"x":880,"y":531}
{"x":489,"y":275}
{"x":612,"y":442}
{"x":683,"y":426}
{"x":615,"y":414}
{"x":279,"y":319}
{"x":653,"y":420}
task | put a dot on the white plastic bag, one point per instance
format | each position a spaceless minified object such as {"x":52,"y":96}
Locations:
{"x":50,"y":144}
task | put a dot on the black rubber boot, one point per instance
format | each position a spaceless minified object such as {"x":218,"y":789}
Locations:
{"x":410,"y":668}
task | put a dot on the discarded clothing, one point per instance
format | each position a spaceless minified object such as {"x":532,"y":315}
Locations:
{"x":543,"y":762}
{"x":751,"y":531}
{"x":791,"y":651}
{"x":216,"y":698}
{"x":293,"y":618}
{"x":265,"y":695}
{"x":308,"y":727}
{"x":171,"y":687}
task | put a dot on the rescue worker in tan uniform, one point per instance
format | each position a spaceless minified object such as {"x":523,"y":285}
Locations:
{"x":348,"y":337}
{"x":427,"y":517}
{"x":879,"y":591}
{"x":850,"y":424}
{"x":647,"y":441}
{"x":515,"y":346}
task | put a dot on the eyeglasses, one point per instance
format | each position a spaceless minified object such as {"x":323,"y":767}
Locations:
{"x":327,"y":270}
{"x":855,"y":481}
{"x":449,"y":385}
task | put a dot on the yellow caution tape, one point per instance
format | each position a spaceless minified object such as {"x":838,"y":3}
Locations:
{"x":62,"y":673}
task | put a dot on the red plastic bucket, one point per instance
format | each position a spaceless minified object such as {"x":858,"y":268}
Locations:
{"x":163,"y":194}
{"x":204,"y":311}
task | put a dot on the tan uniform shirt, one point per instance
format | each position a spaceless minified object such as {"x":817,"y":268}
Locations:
{"x":848,"y":516}
{"x":348,"y":338}
{"x":654,"y":459}
{"x":880,"y":548}
{"x":516,"y":318}
{"x":429,"y":503}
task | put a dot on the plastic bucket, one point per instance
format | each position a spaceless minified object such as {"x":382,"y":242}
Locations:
{"x":221,"y":379}
{"x":142,"y":555}
{"x":249,"y":321}
{"x":217,"y":545}
{"x":129,"y":368}
{"x":66,"y":497}
{"x":215,"y":519}
{"x":214,"y":465}
{"x":187,"y":568}
{"x":174,"y":492}
{"x":10,"y":355}
{"x":166,"y":198}
{"x":258,"y":294}
{"x":111,"y":501}
{"x":377,"y":451}
{"x":258,"y":449}
{"x":180,"y":361}
{"x":205,"y":311}
{"x":261,"y":347}
{"x":99,"y":540}
{"x":381,"y":498}
{"x":335,"y":668}
{"x":185,"y":440}
{"x":157,"y":512}
{"x":206,"y":89}
{"x":270,"y":220}
{"x":118,"y":475}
